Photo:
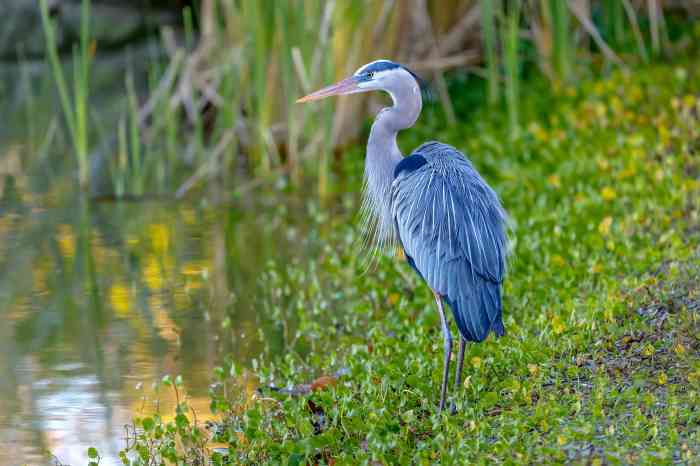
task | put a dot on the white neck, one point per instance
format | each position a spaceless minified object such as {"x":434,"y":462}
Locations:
{"x":383,"y":155}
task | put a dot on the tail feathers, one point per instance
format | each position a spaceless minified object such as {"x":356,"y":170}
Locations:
{"x":498,"y":328}
{"x":478,"y":312}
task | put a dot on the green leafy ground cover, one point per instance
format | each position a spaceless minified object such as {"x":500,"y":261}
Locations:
{"x":600,"y":363}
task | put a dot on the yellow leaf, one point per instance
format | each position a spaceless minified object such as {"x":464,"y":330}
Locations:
{"x":538,"y":132}
{"x":467,"y":381}
{"x":604,"y":227}
{"x":534,"y":370}
{"x":634,"y":93}
{"x":637,"y":140}
{"x":608,"y":314}
{"x":608,"y":193}
{"x":393,"y":298}
{"x":627,"y":173}
{"x":616,"y":105}
{"x":600,"y":110}
{"x":476,"y":362}
{"x":662,"y":378}
{"x":554,"y":181}
{"x":694,"y":377}
{"x":689,"y":100}
{"x":557,"y":325}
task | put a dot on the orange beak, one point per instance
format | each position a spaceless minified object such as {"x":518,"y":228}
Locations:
{"x":346,"y":86}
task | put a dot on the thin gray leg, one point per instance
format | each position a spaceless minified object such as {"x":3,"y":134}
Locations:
{"x":458,"y":375}
{"x":448,"y":351}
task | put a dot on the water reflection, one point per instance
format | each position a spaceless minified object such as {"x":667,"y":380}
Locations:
{"x":99,"y":300}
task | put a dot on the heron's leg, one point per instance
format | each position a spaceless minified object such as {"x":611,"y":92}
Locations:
{"x":458,"y":375}
{"x":448,"y":350}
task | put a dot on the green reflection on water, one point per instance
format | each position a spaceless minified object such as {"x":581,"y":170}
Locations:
{"x":98,"y":300}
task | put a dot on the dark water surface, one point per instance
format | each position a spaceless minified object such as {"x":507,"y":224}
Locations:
{"x":99,"y":300}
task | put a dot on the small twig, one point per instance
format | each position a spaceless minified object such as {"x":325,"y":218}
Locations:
{"x":444,"y":63}
{"x":653,"y":9}
{"x":208,"y":89}
{"x":165,"y":83}
{"x":445,"y":97}
{"x":300,"y":69}
{"x":543,"y":43}
{"x":593,"y":32}
{"x":261,"y":180}
{"x":207,"y":166}
{"x":481,"y":72}
{"x":323,"y":38}
{"x":183,"y":96}
{"x":379,"y":27}
{"x":169,"y":40}
{"x":266,"y":398}
{"x":452,"y":41}
{"x":421,"y":12}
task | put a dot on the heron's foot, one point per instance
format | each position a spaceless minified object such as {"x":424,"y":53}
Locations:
{"x":453,"y":408}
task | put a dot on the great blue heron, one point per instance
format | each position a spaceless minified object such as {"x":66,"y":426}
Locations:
{"x":436,"y":206}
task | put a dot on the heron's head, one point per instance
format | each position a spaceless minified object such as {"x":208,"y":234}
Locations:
{"x":380,"y":75}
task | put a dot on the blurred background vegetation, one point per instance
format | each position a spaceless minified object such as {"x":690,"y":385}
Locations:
{"x":208,"y":89}
{"x":151,"y":102}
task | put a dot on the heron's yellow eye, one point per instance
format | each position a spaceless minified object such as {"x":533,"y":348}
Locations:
{"x":370,"y":74}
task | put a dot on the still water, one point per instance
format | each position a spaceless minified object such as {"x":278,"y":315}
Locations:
{"x":100,"y":299}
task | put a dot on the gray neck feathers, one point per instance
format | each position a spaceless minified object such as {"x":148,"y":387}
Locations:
{"x":383,"y":155}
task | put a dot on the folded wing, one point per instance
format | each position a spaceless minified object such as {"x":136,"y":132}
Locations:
{"x":452,"y":227}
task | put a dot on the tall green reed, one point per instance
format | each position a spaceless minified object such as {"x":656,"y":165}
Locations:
{"x":488,"y":27}
{"x":134,"y":130}
{"x":75,"y":106}
{"x":224,"y":99}
{"x":614,"y":21}
{"x":261,"y":53}
{"x":563,"y":47}
{"x":511,"y":60}
{"x":636,"y":30}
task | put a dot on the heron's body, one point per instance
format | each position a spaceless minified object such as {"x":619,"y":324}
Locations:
{"x":449,"y":222}
{"x":438,"y":199}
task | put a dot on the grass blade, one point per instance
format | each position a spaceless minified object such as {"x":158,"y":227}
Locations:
{"x":488,"y":17}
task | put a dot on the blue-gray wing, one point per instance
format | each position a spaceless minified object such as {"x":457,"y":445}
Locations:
{"x":453,"y":230}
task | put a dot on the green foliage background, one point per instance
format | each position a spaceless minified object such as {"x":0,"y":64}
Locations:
{"x":585,"y":120}
{"x":599,"y":365}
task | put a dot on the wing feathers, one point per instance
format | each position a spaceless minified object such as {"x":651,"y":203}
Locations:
{"x":452,"y":227}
